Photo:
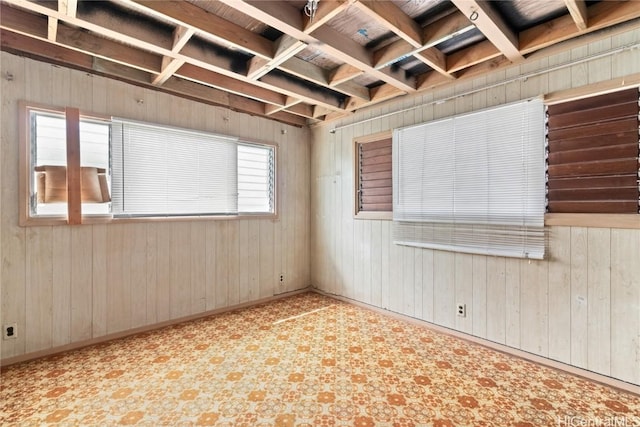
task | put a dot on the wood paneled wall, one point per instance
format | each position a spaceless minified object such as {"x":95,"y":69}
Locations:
{"x":67,"y":284}
{"x":580,"y":307}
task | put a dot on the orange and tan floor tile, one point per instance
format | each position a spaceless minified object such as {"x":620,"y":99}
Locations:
{"x":306,"y":360}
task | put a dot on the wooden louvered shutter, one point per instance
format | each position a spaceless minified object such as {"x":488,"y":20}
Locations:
{"x":593,"y":154}
{"x":374,"y":175}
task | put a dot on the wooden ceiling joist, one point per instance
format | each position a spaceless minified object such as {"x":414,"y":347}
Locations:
{"x":224,"y":52}
{"x":601,"y":15}
{"x":578,"y":11}
{"x":286,"y":47}
{"x":392,"y":17}
{"x":492,"y":26}
{"x":222,"y":31}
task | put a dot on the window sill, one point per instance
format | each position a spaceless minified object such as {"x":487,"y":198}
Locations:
{"x":630,"y":221}
{"x":374,"y":215}
{"x":51,"y":221}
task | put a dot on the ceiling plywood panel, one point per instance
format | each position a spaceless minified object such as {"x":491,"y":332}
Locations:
{"x":523,"y":14}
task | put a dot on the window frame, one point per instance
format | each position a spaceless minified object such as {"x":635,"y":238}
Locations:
{"x":25,"y":179}
{"x":357,"y":213}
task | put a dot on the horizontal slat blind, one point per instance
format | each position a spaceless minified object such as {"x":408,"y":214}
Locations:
{"x":374,"y":173}
{"x":473,"y":183}
{"x":160,"y":171}
{"x":593,"y":154}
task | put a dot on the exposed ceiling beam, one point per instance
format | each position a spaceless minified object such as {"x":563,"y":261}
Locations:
{"x":315,"y":74}
{"x":578,"y":11}
{"x":222,"y":31}
{"x":190,"y":53}
{"x":343,"y":73}
{"x":69,"y":7}
{"x":492,"y":26}
{"x":346,"y":50}
{"x":327,"y":10}
{"x":181,"y":36}
{"x":472,"y":55}
{"x":286,"y":47}
{"x":52,"y":29}
{"x":213,"y":79}
{"x":601,"y":15}
{"x":289,"y":102}
{"x":434,"y":33}
{"x":284,"y":17}
{"x":392,"y":17}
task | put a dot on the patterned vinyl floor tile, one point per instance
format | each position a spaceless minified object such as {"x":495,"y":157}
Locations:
{"x":306,"y":360}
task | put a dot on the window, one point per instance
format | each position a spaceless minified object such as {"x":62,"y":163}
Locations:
{"x":593,"y":155}
{"x":373,"y":176}
{"x":473,"y":183}
{"x":126,"y":169}
{"x":49,"y":159}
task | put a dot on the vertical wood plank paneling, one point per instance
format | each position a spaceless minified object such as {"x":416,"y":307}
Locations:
{"x":198,"y":266}
{"x":599,"y":300}
{"x":99,"y":280}
{"x":61,"y":286}
{"x":39,"y":287}
{"x":444,"y":282}
{"x":560,"y":294}
{"x":579,"y":294}
{"x":395,"y":275}
{"x":385,"y":267}
{"x":278,"y":256}
{"x":496,"y":299}
{"x":233,"y":296}
{"x":211,"y":265}
{"x":12,"y":243}
{"x":254,"y":257}
{"x":304,"y":221}
{"x":287,"y":212}
{"x":408,"y":278}
{"x":137,"y":237}
{"x":358,"y":260}
{"x":534,"y":296}
{"x":463,"y":290}
{"x":243,"y":259}
{"x":267,"y":272}
{"x":222,"y":264}
{"x":365,"y":292}
{"x":163,"y":276}
{"x":376,"y":263}
{"x":428,"y":297}
{"x":346,"y":220}
{"x":512,"y":302}
{"x":625,"y":305}
{"x":417,"y":283}
{"x":118,"y":289}
{"x":151,"y":253}
{"x":180,"y":269}
{"x":81,"y":283}
{"x":479,"y":296}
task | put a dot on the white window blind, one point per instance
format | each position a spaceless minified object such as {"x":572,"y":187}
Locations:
{"x":473,"y":183}
{"x":159,"y":171}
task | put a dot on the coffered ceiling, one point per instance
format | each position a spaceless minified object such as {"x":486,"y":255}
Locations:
{"x":269,"y":58}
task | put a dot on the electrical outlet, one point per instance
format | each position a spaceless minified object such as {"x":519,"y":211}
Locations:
{"x":10,"y":331}
{"x":461,"y":310}
{"x":281,"y":279}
